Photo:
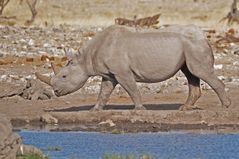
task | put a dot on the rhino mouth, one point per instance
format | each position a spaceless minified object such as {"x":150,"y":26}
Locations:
{"x":59,"y":93}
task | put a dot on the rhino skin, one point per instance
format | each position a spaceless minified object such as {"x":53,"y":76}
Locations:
{"x":125,"y":57}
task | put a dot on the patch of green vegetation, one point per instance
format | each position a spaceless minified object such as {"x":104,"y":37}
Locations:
{"x":33,"y":156}
{"x":115,"y":131}
{"x":7,"y":22}
{"x":115,"y":156}
{"x":107,"y":156}
{"x":146,"y":156}
{"x":54,"y":148}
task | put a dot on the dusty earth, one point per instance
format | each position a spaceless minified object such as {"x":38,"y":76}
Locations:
{"x":25,"y":50}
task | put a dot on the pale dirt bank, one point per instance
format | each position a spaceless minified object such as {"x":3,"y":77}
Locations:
{"x":23,"y":51}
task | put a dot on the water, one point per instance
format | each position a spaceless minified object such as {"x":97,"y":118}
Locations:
{"x":85,"y":145}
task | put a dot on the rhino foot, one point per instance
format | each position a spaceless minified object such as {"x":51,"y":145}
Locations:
{"x":96,"y":108}
{"x":186,"y":107}
{"x":139,"y":108}
{"x":227,"y":103}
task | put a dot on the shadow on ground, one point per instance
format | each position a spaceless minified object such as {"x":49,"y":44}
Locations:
{"x":122,"y":107}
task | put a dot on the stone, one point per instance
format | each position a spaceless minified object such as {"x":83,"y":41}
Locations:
{"x":34,"y":90}
{"x":218,"y":67}
{"x":46,"y":45}
{"x":236,"y":63}
{"x":48,"y":119}
{"x":31,"y":42}
{"x":9,"y":142}
{"x":107,"y":122}
{"x":28,"y":150}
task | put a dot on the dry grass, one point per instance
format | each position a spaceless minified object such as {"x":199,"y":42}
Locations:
{"x":103,"y":12}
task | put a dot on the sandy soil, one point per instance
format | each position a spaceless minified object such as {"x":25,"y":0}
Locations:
{"x":162,"y":100}
{"x":24,"y":51}
{"x":162,"y":114}
{"x":103,"y":12}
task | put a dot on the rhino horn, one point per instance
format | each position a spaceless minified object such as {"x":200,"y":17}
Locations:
{"x":53,"y":66}
{"x":43,"y":78}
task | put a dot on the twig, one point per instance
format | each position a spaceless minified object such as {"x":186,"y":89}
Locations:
{"x":233,"y":15}
{"x":6,"y":17}
{"x":32,"y":7}
{"x":3,"y":4}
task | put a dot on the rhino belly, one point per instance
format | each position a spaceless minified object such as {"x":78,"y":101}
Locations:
{"x":158,"y":68}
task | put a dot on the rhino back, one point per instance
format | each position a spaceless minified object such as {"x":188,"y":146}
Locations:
{"x":151,"y":56}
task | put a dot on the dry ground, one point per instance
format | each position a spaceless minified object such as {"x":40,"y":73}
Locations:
{"x":22,"y":49}
{"x":103,"y":12}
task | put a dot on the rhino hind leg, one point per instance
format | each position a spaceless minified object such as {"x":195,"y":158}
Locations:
{"x":107,"y":86}
{"x":200,"y":61}
{"x":194,"y":90}
{"x":218,"y":86}
{"x":127,"y":81}
{"x":206,"y":72}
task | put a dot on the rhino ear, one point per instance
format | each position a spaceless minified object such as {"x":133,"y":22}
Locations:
{"x":79,"y":54}
{"x":69,"y":53}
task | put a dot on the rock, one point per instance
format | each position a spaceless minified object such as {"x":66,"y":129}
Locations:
{"x":2,"y":54}
{"x":218,"y":67}
{"x":48,"y":119}
{"x":22,"y":40}
{"x":3,"y":77}
{"x":9,"y":142}
{"x":46,"y":45}
{"x":236,"y":52}
{"x":15,"y":77}
{"x":12,"y":91}
{"x":91,"y":89}
{"x":107,"y":122}
{"x":236,"y":63}
{"x":34,"y":90}
{"x":31,"y":42}
{"x":28,"y":150}
{"x":234,"y":49}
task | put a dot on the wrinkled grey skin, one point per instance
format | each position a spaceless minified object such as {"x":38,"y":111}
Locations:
{"x":124,"y":57}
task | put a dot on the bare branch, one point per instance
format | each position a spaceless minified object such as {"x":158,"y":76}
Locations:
{"x":147,"y":21}
{"x":233,"y":15}
{"x":3,"y":4}
{"x":32,"y":7}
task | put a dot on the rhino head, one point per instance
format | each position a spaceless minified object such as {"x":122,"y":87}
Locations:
{"x":70,"y":78}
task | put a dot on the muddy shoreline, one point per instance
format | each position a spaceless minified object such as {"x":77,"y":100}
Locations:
{"x":131,"y":121}
{"x":129,"y":128}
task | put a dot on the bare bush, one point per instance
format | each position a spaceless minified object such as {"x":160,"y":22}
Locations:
{"x":233,"y":15}
{"x":123,"y":21}
{"x":32,"y":5}
{"x":148,"y":21}
{"x":3,"y":4}
{"x":142,"y":22}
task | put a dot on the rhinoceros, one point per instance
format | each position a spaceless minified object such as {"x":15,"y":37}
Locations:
{"x":124,"y":57}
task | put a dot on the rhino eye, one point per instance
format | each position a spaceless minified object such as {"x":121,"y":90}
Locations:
{"x":70,"y":62}
{"x":64,"y":76}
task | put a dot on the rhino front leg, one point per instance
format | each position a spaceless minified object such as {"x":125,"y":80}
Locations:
{"x":128,"y":82}
{"x":107,"y":86}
